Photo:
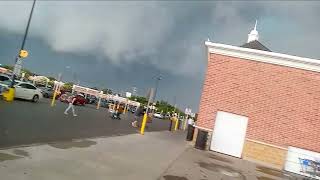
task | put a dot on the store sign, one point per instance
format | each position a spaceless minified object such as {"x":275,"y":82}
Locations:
{"x":128,"y":94}
{"x":303,"y":162}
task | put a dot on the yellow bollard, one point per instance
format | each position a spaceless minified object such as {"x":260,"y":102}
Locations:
{"x":9,"y":95}
{"x":176,"y":125}
{"x":53,"y":98}
{"x":125,"y":109}
{"x":185,"y":124}
{"x":144,"y":121}
{"x":99,"y":102}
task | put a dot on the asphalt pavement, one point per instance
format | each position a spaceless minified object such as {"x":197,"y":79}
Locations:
{"x":25,"y":123}
{"x":128,"y":157}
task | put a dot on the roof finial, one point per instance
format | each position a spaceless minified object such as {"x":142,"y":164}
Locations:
{"x":254,"y":35}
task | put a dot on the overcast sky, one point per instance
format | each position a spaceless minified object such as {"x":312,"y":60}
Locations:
{"x":124,"y":44}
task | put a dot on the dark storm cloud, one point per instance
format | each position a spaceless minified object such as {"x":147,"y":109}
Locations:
{"x":140,"y":39}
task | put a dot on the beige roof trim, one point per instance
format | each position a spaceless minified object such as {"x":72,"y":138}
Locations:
{"x":264,"y":56}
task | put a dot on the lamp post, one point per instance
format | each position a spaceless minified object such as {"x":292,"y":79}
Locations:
{"x":9,"y":96}
{"x":158,"y":78}
{"x":23,"y":53}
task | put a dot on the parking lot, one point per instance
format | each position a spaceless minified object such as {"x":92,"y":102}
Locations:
{"x":25,"y":123}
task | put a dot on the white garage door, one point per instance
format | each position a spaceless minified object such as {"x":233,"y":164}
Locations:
{"x":229,"y":133}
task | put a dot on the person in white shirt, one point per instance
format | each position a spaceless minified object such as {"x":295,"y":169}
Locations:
{"x":71,"y":100}
{"x":190,"y":122}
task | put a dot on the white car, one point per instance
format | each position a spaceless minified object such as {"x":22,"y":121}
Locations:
{"x":158,"y":115}
{"x":25,"y":90}
{"x":4,"y":77}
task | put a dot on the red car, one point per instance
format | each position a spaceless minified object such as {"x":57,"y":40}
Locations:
{"x":80,"y":100}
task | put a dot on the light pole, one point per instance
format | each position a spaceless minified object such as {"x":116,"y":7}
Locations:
{"x":22,"y":52}
{"x":9,"y":96}
{"x":158,"y":78}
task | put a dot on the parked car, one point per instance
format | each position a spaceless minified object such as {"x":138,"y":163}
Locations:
{"x":4,"y":77}
{"x":47,"y":92}
{"x":80,"y":100}
{"x":104,"y":103}
{"x":91,"y":100}
{"x":24,"y":90}
{"x":158,"y":115}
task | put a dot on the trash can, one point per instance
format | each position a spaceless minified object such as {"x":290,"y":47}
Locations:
{"x":201,"y":139}
{"x":190,"y":132}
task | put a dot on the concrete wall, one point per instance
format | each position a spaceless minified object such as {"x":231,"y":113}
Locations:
{"x":282,"y":103}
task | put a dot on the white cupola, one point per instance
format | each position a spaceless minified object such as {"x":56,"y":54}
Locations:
{"x":254,"y":35}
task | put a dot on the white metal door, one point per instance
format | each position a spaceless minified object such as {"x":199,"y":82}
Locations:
{"x":229,"y":133}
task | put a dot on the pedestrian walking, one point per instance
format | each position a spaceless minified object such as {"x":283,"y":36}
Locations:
{"x":119,"y":111}
{"x":137,"y":116}
{"x":190,"y":121}
{"x":71,"y":101}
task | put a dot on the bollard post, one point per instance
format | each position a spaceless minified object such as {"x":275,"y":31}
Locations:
{"x":125,"y":109}
{"x":9,"y":95}
{"x":144,"y":121}
{"x":99,"y":102}
{"x":54,"y":97}
{"x":176,"y":124}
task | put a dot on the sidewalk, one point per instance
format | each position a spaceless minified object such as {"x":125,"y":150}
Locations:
{"x":154,"y":156}
{"x":195,"y":164}
{"x":118,"y":158}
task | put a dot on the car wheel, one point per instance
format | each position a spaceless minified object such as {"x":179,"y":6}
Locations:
{"x":35,"y":98}
{"x":46,"y":95}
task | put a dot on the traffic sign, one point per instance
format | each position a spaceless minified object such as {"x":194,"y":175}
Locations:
{"x":23,"y":53}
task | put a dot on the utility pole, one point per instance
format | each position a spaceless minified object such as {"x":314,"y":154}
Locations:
{"x":145,"y":116}
{"x":158,"y":78}
{"x":18,"y":61}
{"x":174,"y":103}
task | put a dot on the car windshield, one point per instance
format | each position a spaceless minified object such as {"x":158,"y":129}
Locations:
{"x":9,"y":82}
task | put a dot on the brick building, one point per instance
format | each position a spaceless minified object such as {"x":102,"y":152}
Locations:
{"x":269,"y":101}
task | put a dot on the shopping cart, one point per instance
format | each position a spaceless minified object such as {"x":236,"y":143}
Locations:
{"x":310,"y":167}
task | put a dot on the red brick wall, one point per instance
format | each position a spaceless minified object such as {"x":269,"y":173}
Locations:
{"x":282,"y":103}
